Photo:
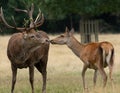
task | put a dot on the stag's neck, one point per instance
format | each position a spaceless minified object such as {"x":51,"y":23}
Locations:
{"x":75,"y":46}
{"x":26,"y":52}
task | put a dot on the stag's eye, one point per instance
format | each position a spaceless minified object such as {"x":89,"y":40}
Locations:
{"x":32,"y":37}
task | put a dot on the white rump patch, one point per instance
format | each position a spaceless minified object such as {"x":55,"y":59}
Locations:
{"x":108,"y":57}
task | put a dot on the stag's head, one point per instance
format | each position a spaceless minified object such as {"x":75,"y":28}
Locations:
{"x":34,"y":39}
{"x":63,"y":38}
{"x":29,"y":34}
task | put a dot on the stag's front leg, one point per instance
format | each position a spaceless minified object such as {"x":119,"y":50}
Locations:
{"x":14,"y":74}
{"x":44,"y":75}
{"x":31,"y":77}
{"x":41,"y":67}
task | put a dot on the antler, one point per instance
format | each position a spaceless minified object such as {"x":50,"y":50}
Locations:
{"x":7,"y":25}
{"x":33,"y":24}
{"x":39,"y":19}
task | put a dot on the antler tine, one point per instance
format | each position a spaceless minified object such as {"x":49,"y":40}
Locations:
{"x":20,"y":10}
{"x":38,"y":16}
{"x":7,"y":25}
{"x":3,"y":20}
{"x":31,"y":15}
{"x":39,"y":19}
{"x":14,"y":21}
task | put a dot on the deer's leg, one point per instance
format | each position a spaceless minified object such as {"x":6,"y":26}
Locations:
{"x":44,"y":76}
{"x":31,"y":77}
{"x":83,"y":75}
{"x":110,"y":71}
{"x":41,"y":67}
{"x":104,"y":76}
{"x":14,"y":74}
{"x":110,"y":75}
{"x":95,"y":77}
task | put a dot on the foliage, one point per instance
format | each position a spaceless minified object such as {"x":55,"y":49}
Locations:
{"x":57,"y":10}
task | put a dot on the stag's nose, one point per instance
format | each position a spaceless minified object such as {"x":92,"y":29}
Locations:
{"x":47,"y":40}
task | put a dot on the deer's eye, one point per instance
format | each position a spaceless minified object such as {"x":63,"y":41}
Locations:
{"x":62,"y":36}
{"x":32,"y":36}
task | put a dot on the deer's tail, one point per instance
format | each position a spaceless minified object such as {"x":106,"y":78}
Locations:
{"x":108,"y":56}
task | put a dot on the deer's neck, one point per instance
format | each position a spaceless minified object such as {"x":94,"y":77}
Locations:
{"x":26,"y":52}
{"x":75,"y":46}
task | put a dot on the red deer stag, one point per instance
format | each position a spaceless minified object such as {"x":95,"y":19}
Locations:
{"x":95,"y":56}
{"x":28,"y":49}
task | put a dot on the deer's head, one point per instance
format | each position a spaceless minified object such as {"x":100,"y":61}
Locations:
{"x":63,"y":38}
{"x":30,"y":36}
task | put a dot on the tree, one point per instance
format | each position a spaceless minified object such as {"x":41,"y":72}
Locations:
{"x":59,"y":9}
{"x":64,"y":11}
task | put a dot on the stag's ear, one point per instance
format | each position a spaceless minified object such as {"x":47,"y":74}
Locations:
{"x":71,"y":32}
{"x":24,"y":35}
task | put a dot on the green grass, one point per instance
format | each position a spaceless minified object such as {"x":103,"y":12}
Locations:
{"x":67,"y":82}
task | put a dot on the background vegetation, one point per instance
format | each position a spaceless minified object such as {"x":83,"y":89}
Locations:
{"x":61,"y":13}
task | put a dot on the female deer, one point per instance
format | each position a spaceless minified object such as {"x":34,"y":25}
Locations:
{"x":95,"y":56}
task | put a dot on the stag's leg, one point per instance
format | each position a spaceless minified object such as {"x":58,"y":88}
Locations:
{"x":95,"y":77}
{"x":44,"y":75}
{"x":42,"y":68}
{"x":83,"y":75}
{"x":31,"y":77}
{"x":14,"y":74}
{"x":104,"y":76}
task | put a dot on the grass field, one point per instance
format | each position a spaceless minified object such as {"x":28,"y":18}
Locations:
{"x":64,"y":71}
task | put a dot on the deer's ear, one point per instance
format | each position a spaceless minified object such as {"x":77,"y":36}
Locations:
{"x":24,"y":35}
{"x":67,"y":31}
{"x":72,"y":31}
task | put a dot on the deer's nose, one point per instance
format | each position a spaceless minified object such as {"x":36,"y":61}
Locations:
{"x":52,"y":41}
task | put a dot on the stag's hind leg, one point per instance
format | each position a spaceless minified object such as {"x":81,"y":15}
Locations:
{"x":14,"y":74}
{"x":41,"y":67}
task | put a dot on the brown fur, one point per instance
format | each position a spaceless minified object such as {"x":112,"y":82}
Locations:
{"x":23,"y":53}
{"x":93,"y":55}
